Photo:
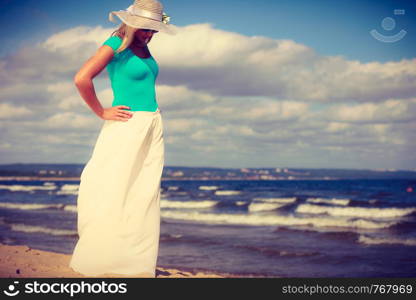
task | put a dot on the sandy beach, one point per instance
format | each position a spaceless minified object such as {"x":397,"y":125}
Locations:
{"x":25,"y":262}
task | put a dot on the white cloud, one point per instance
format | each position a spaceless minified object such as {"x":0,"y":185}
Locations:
{"x":75,"y":38}
{"x":230,"y":64}
{"x":66,"y":120}
{"x":336,"y":127}
{"x":8,"y":111}
{"x":388,"y":111}
{"x":180,"y":98}
{"x":234,"y":64}
{"x":233,"y":98}
{"x":182,"y":125}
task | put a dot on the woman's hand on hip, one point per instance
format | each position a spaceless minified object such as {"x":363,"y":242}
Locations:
{"x":116,"y":113}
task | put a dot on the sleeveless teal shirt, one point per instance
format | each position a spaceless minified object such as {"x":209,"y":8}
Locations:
{"x":132,"y":78}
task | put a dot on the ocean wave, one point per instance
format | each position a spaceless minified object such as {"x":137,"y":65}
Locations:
{"x":170,"y":237}
{"x":26,"y":188}
{"x":360,"y":212}
{"x":391,"y":240}
{"x":41,"y":229}
{"x":187,"y":204}
{"x":278,"y":253}
{"x":30,"y":206}
{"x":259,"y":206}
{"x":227,"y":193}
{"x":274,"y":220}
{"x":71,"y":208}
{"x":68,"y":189}
{"x":276,"y":200}
{"x":208,"y":187}
{"x":183,"y":193}
{"x":329,"y":201}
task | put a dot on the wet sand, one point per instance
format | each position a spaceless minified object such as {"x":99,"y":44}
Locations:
{"x":25,"y":262}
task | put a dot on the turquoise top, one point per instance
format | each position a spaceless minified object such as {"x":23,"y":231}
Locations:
{"x":132,"y":78}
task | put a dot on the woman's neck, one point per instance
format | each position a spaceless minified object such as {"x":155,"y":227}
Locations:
{"x":141,"y":51}
{"x":138,"y":45}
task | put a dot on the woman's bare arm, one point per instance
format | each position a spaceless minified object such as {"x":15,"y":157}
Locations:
{"x":83,"y":81}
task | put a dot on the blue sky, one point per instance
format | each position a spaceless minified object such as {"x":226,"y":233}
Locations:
{"x":244,"y":83}
{"x":331,"y":27}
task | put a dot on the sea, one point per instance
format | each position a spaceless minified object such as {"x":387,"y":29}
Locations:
{"x":252,"y":228}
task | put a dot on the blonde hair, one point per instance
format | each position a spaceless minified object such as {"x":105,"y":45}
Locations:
{"x":126,"y":33}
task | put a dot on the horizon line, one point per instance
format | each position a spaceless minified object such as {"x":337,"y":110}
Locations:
{"x":211,"y":167}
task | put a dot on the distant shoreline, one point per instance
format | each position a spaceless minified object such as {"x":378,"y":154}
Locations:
{"x":327,"y":178}
{"x":73,"y":173}
{"x":32,"y":178}
{"x":36,"y":178}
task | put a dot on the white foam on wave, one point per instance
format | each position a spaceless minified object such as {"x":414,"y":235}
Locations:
{"x":49,"y":183}
{"x":240,"y":203}
{"x":30,"y":206}
{"x":68,"y":189}
{"x":260,"y":206}
{"x":208,"y":187}
{"x":181,"y":193}
{"x":67,"y":192}
{"x":227,"y":193}
{"x":329,"y":201}
{"x":360,"y":212}
{"x":71,"y":208}
{"x":276,"y":200}
{"x":187,"y":204}
{"x":173,"y":188}
{"x":391,"y":240}
{"x":273,"y":220}
{"x":41,"y":229}
{"x":26,"y":188}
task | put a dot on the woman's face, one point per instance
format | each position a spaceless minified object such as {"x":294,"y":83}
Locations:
{"x":143,"y":36}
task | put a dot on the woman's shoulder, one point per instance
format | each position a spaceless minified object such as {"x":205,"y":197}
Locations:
{"x":113,"y":41}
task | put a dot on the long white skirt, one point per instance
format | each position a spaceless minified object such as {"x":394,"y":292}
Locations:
{"x":119,"y":199}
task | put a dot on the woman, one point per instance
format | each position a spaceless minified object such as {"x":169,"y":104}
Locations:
{"x":119,"y":192}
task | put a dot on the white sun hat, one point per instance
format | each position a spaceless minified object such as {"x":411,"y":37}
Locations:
{"x":145,"y":14}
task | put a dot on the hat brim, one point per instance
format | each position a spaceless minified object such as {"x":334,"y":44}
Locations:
{"x":142,"y":22}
